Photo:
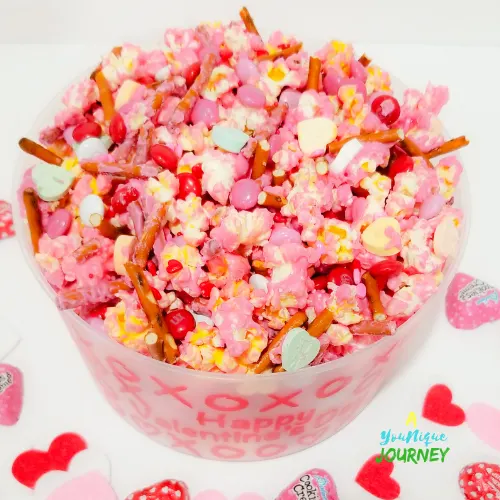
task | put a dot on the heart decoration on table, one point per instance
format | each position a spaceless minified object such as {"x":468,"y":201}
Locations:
{"x":479,"y":481}
{"x":314,"y":483}
{"x":484,"y":422}
{"x":438,"y":407}
{"x":471,"y":302}
{"x":6,"y":220}
{"x":169,"y":489}
{"x":11,"y":394}
{"x":217,"y":495}
{"x":376,"y":479}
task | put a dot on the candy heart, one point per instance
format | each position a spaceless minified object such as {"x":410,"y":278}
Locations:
{"x":86,"y":487}
{"x":11,"y":394}
{"x":125,"y":92}
{"x":170,"y":489}
{"x":229,"y":139}
{"x":484,"y":422}
{"x":90,"y":148}
{"x":480,"y":481}
{"x":298,"y":350}
{"x":314,"y":483}
{"x":6,"y":220}
{"x":382,"y":237}
{"x":91,"y":210}
{"x":471,"y":302}
{"x":439,"y":408}
{"x":31,"y":465}
{"x":314,"y":134}
{"x":51,"y":182}
{"x":346,"y":154}
{"x":376,"y":479}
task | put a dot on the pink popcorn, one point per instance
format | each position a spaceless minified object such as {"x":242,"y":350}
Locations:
{"x":337,"y":55}
{"x":336,"y":241}
{"x":222,"y":80}
{"x":311,"y":105}
{"x":343,"y":304}
{"x":377,"y":80}
{"x":275,"y":76}
{"x":227,"y":268}
{"x":149,"y":63}
{"x":219,"y":174}
{"x":189,"y":218}
{"x":178,"y":39}
{"x":81,"y":96}
{"x":448,"y":170}
{"x":118,"y":68}
{"x":244,"y":118}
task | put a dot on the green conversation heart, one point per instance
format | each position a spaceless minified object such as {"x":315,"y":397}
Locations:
{"x":51,"y":182}
{"x":228,"y":138}
{"x":298,"y":350}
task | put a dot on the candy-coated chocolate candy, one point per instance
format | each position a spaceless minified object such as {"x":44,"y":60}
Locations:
{"x":91,"y":210}
{"x":399,"y":165}
{"x":122,"y":253}
{"x":340,"y":276}
{"x":358,"y":70}
{"x":164,"y":157}
{"x":331,"y":82}
{"x":174,"y":266}
{"x":197,"y":170}
{"x":122,"y":198}
{"x":90,"y":148}
{"x":179,"y":323}
{"x":188,"y":183}
{"x":205,"y":111}
{"x":258,"y":282}
{"x":87,"y":129}
{"x":51,"y":182}
{"x":346,"y":154}
{"x":59,"y":223}
{"x":299,"y":349}
{"x":127,"y":89}
{"x":246,"y":70}
{"x":431,"y":206}
{"x":229,"y":138}
{"x":251,"y":96}
{"x":282,"y":235}
{"x":386,"y":268}
{"x":386,"y":108}
{"x":290,"y":97}
{"x":446,"y":238}
{"x":315,"y":133}
{"x":156,"y":293}
{"x":320,"y":282}
{"x":117,"y":129}
{"x":244,"y":194}
{"x":200,"y":318}
{"x":151,"y":267}
{"x":163,"y":74}
{"x":206,"y":288}
{"x":191,"y":73}
{"x":382,"y":237}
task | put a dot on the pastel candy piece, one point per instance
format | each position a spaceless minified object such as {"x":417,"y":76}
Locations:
{"x":258,"y":282}
{"x":346,"y":154}
{"x":446,"y":238}
{"x":59,"y":223}
{"x":244,"y":194}
{"x":107,"y":141}
{"x":205,"y":111}
{"x":90,"y":148}
{"x":290,"y":97}
{"x":122,"y":252}
{"x":200,"y":318}
{"x":246,"y":69}
{"x":251,"y":96}
{"x":315,"y":133}
{"x":298,"y":350}
{"x":431,"y":206}
{"x":125,"y":93}
{"x":91,"y":210}
{"x":376,"y":237}
{"x":229,"y":138}
{"x":92,"y":485}
{"x":51,"y":182}
{"x":314,"y":483}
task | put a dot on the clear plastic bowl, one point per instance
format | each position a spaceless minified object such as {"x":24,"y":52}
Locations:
{"x":238,"y":417}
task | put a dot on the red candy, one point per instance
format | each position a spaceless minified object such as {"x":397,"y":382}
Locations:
{"x":174,"y":266}
{"x":197,"y":170}
{"x":152,"y":269}
{"x":180,"y":322}
{"x":340,"y":276}
{"x":123,"y":197}
{"x":206,"y":288}
{"x":320,"y":282}
{"x":225,"y":53}
{"x":386,"y":108}
{"x":166,"y":490}
{"x":84,"y":130}
{"x":399,"y":165}
{"x":386,"y":268}
{"x":156,"y":293}
{"x":164,"y":157}
{"x":117,"y":129}
{"x":480,"y":480}
{"x":184,"y":296}
{"x":279,"y":218}
{"x":188,"y":183}
{"x":191,"y":73}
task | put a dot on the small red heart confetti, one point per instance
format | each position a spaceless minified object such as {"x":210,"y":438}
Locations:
{"x":174,"y":266}
{"x":170,"y":489}
{"x":31,"y":465}
{"x":6,"y":221}
{"x":439,"y":408}
{"x":376,"y":479}
{"x":480,"y":481}
{"x":11,"y":394}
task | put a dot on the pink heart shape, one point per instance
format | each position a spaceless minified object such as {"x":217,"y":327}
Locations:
{"x":471,"y":302}
{"x":217,"y":495}
{"x":484,"y":422}
{"x":90,"y":486}
{"x":11,"y":394}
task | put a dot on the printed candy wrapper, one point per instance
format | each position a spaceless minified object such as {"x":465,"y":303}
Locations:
{"x":314,"y":484}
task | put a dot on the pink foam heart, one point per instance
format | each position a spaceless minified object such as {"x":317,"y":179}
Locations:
{"x":217,"y":495}
{"x":471,"y":302}
{"x":11,"y":394}
{"x":90,"y":486}
{"x":484,"y":422}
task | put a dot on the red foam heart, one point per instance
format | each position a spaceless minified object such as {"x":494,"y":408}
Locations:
{"x":439,"y":408}
{"x":479,"y":480}
{"x":29,"y":466}
{"x":376,"y":479}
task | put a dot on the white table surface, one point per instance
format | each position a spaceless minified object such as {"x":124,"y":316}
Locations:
{"x":60,"y":396}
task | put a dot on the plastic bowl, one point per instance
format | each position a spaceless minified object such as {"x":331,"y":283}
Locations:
{"x":238,"y":417}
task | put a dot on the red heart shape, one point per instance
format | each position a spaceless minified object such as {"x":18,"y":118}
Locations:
{"x":439,"y":408}
{"x":31,"y":465}
{"x":376,"y":479}
{"x":480,"y":480}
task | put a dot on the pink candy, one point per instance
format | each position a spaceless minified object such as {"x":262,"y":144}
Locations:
{"x":282,"y":235}
{"x":59,"y":223}
{"x":432,"y":206}
{"x":251,"y":96}
{"x":290,"y":97}
{"x":205,"y":111}
{"x":246,"y":70}
{"x":244,"y":194}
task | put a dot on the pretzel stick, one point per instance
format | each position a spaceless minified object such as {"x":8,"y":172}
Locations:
{"x":33,"y":217}
{"x":100,"y":294}
{"x":155,"y":346}
{"x":412,"y":148}
{"x":152,"y":310}
{"x":281,"y":53}
{"x":385,"y":136}
{"x":321,"y":323}
{"x":86,"y":251}
{"x":157,"y":101}
{"x":152,"y":227}
{"x":314,"y":74}
{"x":105,"y":96}
{"x":121,"y":169}
{"x":298,"y":319}
{"x":35,"y":149}
{"x":373,"y":295}
{"x":270,"y":200}
{"x":448,"y":147}
{"x":260,"y":159}
{"x":364,"y":60}
{"x":278,"y":369}
{"x":248,"y":21}
{"x":259,"y":267}
{"x":374,"y":328}
{"x":279,"y":177}
{"x":109,"y":230}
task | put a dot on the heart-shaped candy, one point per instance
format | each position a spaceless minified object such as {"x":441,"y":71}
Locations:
{"x":90,"y":485}
{"x":298,"y":349}
{"x":484,"y":422}
{"x":439,"y":408}
{"x":51,"y":182}
{"x":382,"y":237}
{"x":170,"y":489}
{"x":11,"y":394}
{"x":315,"y":133}
{"x":471,"y":302}
{"x":376,"y":479}
{"x":229,"y":139}
{"x":479,"y":481}
{"x":314,"y":483}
